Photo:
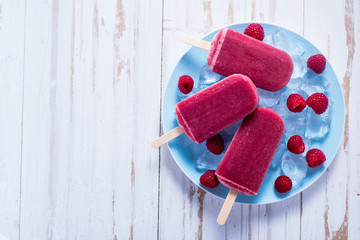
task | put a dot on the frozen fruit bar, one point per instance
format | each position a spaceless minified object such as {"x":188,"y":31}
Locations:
{"x":251,"y":151}
{"x":233,"y":52}
{"x":208,"y":112}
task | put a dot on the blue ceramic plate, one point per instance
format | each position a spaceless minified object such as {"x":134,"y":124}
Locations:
{"x":191,"y":63}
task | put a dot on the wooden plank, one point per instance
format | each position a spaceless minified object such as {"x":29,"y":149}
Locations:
{"x":326,"y":202}
{"x":12,"y":16}
{"x":90,"y":185}
{"x":85,"y":125}
{"x":137,"y":85}
{"x":352,"y":19}
{"x":35,"y":186}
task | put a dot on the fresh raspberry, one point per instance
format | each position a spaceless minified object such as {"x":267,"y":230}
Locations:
{"x":317,"y":63}
{"x":315,"y":157}
{"x":215,"y":144}
{"x":296,"y":145}
{"x":185,"y":84}
{"x":318,"y":102}
{"x":283,"y":184}
{"x":255,"y":30}
{"x":209,"y":179}
{"x":295,"y":103}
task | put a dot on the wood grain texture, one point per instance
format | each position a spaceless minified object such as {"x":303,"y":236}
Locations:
{"x":137,"y":111}
{"x":351,"y":140}
{"x":329,"y":196}
{"x":11,"y":101}
{"x":81,"y":90}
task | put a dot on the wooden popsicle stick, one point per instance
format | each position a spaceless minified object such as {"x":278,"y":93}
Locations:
{"x":225,"y":210}
{"x":193,"y":41}
{"x":167,"y":137}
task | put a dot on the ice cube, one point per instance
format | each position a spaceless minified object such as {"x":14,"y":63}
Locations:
{"x":278,"y":154}
{"x":300,"y":66}
{"x":203,"y":86}
{"x":298,"y":50}
{"x":317,"y":125}
{"x":181,"y":95}
{"x":295,"y":123}
{"x":280,"y":40}
{"x":281,"y":109}
{"x":286,"y":93}
{"x":294,"y":83}
{"x":307,"y":142}
{"x":315,"y":84}
{"x":294,"y":166}
{"x":208,"y":77}
{"x":268,"y":39}
{"x":208,"y":160}
{"x":196,"y":89}
{"x":268,"y":99}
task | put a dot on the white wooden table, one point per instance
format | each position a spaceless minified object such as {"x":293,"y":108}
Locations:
{"x":81,"y":84}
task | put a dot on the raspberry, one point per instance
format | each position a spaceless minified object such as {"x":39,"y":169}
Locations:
{"x":296,"y":145}
{"x":215,"y":144}
{"x":317,"y":63}
{"x":315,"y":157}
{"x":295,"y":103}
{"x":209,"y":179}
{"x":255,"y":30}
{"x":318,"y":102}
{"x":283,"y":184}
{"x":185,"y":84}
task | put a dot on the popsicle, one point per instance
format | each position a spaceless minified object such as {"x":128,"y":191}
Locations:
{"x":250,"y":153}
{"x":213,"y":109}
{"x":232,"y":52}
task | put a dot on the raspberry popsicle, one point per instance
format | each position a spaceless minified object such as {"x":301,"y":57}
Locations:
{"x":232,"y":52}
{"x":250,"y":153}
{"x":213,"y":109}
